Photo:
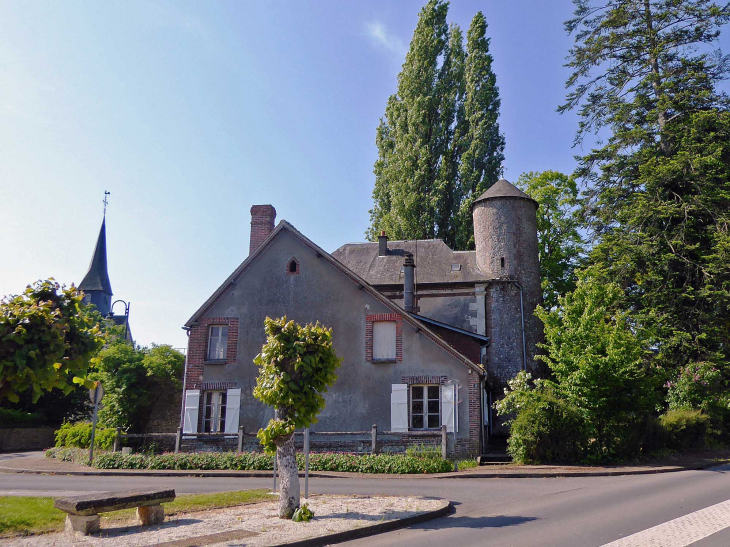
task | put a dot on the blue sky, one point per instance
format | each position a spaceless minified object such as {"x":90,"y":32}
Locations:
{"x":191,"y":112}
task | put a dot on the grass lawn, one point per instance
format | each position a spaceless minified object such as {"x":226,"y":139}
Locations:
{"x":35,"y":515}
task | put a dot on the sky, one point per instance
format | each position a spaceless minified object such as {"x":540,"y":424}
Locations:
{"x":191,"y":112}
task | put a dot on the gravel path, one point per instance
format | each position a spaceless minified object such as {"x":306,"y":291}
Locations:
{"x":249,"y":525}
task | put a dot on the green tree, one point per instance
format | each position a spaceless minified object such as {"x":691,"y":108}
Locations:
{"x":446,"y":105}
{"x":598,"y":357}
{"x":481,"y":163}
{"x":47,"y":339}
{"x":297,"y":365}
{"x":134,"y":379}
{"x":646,"y":74}
{"x":561,"y":246}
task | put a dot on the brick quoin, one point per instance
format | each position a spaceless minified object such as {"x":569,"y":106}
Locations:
{"x":370,"y":319}
{"x":262,"y":224}
{"x":198,"y":347}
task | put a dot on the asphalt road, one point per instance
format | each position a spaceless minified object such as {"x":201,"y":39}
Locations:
{"x":567,"y":512}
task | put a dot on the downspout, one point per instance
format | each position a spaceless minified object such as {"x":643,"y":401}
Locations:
{"x":185,"y":375}
{"x":522,"y":319}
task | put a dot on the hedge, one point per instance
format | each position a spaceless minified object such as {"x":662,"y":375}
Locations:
{"x":78,"y":435}
{"x":247,"y":461}
{"x":11,"y":418}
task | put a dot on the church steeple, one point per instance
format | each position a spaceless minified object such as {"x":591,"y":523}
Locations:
{"x":96,"y":283}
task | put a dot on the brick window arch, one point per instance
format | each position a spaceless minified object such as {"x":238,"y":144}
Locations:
{"x":292,"y":267}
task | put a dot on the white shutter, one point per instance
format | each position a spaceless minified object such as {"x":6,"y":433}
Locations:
{"x":384,"y":341}
{"x":399,"y":407}
{"x":447,"y":406}
{"x":192,"y":400}
{"x":233,"y":410}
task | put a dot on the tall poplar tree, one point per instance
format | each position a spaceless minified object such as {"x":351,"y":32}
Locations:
{"x":481,"y":163}
{"x":446,"y":105}
{"x":645,"y":74}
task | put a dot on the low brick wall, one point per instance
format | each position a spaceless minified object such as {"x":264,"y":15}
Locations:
{"x":31,"y":438}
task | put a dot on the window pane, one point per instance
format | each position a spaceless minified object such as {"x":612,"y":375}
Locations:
{"x":433,"y":392}
{"x":417,"y":392}
{"x":433,"y":420}
{"x":433,"y":407}
{"x":217,"y":342}
{"x":417,"y":422}
{"x":417,"y":407}
{"x":384,"y":340}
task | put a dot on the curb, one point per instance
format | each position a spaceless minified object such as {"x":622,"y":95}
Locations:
{"x":325,"y":475}
{"x":380,"y":528}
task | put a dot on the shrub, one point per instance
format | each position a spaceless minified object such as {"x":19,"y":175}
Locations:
{"x":10,"y":418}
{"x":369,"y":463}
{"x":79,"y":435}
{"x":427,"y":451}
{"x":686,"y":429}
{"x":547,"y":429}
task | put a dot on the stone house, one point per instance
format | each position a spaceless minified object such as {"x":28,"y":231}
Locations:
{"x":428,"y":336}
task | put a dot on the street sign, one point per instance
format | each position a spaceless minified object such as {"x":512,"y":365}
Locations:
{"x":96,"y":393}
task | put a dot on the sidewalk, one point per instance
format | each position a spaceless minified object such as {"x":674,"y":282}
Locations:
{"x":36,"y":463}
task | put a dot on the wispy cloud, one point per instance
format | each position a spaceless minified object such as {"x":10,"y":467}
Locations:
{"x":383,"y":38}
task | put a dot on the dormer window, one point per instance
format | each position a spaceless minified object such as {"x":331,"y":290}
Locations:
{"x":456,"y":267}
{"x":292,"y":268}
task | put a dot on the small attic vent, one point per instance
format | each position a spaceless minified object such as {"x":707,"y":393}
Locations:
{"x":292,"y":268}
{"x":456,"y":267}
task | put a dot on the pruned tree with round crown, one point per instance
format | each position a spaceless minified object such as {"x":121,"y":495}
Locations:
{"x":297,"y":365}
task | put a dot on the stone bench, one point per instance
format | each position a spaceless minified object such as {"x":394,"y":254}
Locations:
{"x":83,"y":511}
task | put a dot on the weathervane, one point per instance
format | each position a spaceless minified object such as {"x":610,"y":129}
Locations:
{"x":106,"y":201}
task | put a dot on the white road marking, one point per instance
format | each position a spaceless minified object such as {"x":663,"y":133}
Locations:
{"x":681,"y":531}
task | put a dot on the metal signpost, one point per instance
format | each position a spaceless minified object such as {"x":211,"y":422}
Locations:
{"x":95,"y":394}
{"x":306,"y":463}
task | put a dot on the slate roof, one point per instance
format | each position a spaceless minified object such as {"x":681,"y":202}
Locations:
{"x":97,"y":278}
{"x":503,"y":189}
{"x":408,"y":318}
{"x":435,"y":262}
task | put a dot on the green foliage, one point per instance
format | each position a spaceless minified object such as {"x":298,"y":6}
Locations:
{"x":47,"y":338}
{"x":10,"y":418}
{"x":429,"y":452}
{"x":561,"y":246}
{"x":297,"y":365}
{"x":79,"y":436}
{"x":439,"y":143}
{"x":134,"y":379}
{"x":252,"y":461}
{"x":686,"y":429}
{"x":303,"y":514}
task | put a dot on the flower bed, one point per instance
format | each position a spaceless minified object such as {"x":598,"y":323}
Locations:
{"x":248,"y":461}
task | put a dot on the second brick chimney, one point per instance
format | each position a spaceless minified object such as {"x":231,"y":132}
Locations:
{"x":262,"y":224}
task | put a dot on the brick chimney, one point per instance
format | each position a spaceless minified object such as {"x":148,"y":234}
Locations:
{"x":262,"y":224}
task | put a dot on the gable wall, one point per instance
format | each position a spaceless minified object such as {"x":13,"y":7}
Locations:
{"x":361,"y":395}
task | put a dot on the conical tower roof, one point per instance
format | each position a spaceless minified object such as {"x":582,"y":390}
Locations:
{"x":503,"y":189}
{"x":97,"y":278}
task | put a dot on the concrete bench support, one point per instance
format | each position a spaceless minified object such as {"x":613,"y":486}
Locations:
{"x":84,"y":524}
{"x":150,"y":514}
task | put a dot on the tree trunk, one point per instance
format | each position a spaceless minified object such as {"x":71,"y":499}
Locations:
{"x":289,"y":501}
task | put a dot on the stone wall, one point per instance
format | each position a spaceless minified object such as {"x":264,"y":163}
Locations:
{"x":31,"y":438}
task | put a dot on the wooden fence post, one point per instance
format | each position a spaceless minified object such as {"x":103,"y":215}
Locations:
{"x":178,"y":440}
{"x":240,"y":439}
{"x":117,"y":440}
{"x":443,"y":442}
{"x":374,"y":440}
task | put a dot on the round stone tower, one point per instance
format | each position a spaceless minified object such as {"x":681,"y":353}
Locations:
{"x":505,"y":234}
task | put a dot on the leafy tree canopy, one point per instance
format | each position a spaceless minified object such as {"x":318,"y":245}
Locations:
{"x":439,"y":144}
{"x":47,"y":339}
{"x":561,"y":246}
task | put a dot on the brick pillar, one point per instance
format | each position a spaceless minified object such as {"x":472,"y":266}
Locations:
{"x":262,"y":224}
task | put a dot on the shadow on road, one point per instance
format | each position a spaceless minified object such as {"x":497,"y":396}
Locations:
{"x":464,"y":521}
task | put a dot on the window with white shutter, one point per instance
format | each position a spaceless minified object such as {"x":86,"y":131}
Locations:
{"x":425,"y":407}
{"x":190,"y":416}
{"x":399,"y":407}
{"x":233,"y":410}
{"x":214,"y":411}
{"x":384,"y":341}
{"x":448,"y":407}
